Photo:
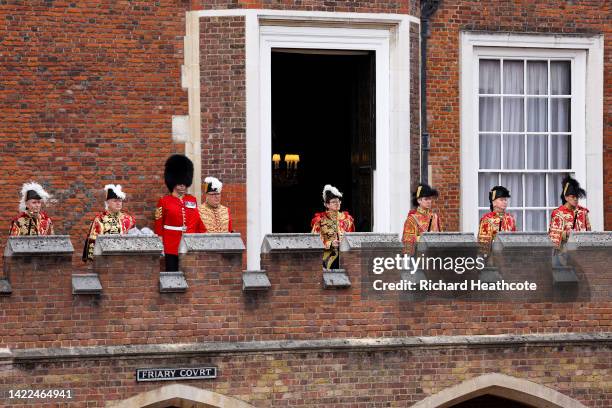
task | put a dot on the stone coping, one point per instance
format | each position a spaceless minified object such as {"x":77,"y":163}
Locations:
{"x":584,"y":240}
{"x":39,"y":246}
{"x":209,"y":242}
{"x":351,"y":344}
{"x":291,"y":243}
{"x":128,"y":244}
{"x":370,"y":240}
{"x":522,"y":240}
{"x":446,"y":240}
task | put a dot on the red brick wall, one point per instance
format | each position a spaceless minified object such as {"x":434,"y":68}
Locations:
{"x":42,"y":312}
{"x":89,"y":88}
{"x":330,"y":379}
{"x":223,"y":102}
{"x":547,"y":17}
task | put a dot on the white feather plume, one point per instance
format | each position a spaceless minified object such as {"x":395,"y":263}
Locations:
{"x":214,"y":182}
{"x":332,"y":189}
{"x":32,"y":186}
{"x":116,"y":188}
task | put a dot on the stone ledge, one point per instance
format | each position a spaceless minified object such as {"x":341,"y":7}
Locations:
{"x":446,"y":240}
{"x":370,"y":240}
{"x":336,"y":279}
{"x":351,"y":344}
{"x":522,"y":241}
{"x":172,"y":282}
{"x":128,"y":245}
{"x":221,"y":243}
{"x":86,"y":284}
{"x":51,"y":245}
{"x":291,"y":243}
{"x":589,"y":240}
{"x":255,"y":280}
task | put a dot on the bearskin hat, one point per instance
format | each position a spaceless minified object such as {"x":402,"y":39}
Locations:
{"x":178,"y":170}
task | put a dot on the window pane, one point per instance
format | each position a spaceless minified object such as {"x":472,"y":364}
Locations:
{"x":535,"y":220}
{"x":537,"y":152}
{"x":514,"y":114}
{"x":513,"y":77}
{"x":514,"y":183}
{"x":560,"y":152}
{"x":514,"y":151}
{"x":490,"y":151}
{"x":518,"y":217}
{"x":489,"y":78}
{"x":481,"y":213}
{"x":486,"y":181}
{"x":489,"y":114}
{"x":560,"y":82}
{"x":535,"y":190}
{"x":560,"y":115}
{"x":554,"y":189}
{"x":537,"y":77}
{"x":537,"y":114}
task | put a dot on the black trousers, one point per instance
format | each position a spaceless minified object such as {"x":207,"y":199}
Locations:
{"x":172,"y":263}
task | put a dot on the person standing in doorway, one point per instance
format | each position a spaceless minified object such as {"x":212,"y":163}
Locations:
{"x":332,"y":224}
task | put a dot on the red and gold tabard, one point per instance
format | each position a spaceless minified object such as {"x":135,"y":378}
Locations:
{"x":174,"y":216}
{"x":31,"y":224}
{"x":564,"y":220}
{"x":490,"y":224}
{"x":216,"y":219}
{"x":418,"y":221}
{"x":107,"y":223}
{"x":332,"y":225}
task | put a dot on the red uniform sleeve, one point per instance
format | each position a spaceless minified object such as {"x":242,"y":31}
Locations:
{"x":159,"y":217}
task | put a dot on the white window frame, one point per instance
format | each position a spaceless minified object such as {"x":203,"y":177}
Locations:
{"x":586,"y":54}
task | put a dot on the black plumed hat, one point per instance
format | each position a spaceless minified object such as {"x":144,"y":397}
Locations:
{"x":497,"y":192}
{"x":178,"y":170}
{"x":571,"y":187}
{"x":423,"y":190}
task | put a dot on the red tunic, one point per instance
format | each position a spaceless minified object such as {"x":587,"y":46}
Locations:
{"x":106,"y":223}
{"x":562,"y":223}
{"x":28,"y":224}
{"x":419,"y":220}
{"x":490,"y":224}
{"x":181,"y":215}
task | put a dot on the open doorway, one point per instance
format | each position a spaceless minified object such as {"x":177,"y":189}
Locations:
{"x":323,"y":132}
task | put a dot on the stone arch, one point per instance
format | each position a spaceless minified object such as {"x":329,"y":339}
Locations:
{"x":517,"y":389}
{"x":180,"y":395}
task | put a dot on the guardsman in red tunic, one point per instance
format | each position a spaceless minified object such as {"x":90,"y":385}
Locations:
{"x":332,"y":225}
{"x":420,"y":219}
{"x":569,"y":216}
{"x":497,"y":220}
{"x":216,"y":217}
{"x":177,"y":212}
{"x":110,"y":221}
{"x":31,"y":220}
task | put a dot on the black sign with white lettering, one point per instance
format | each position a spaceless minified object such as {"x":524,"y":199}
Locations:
{"x":163,"y":374}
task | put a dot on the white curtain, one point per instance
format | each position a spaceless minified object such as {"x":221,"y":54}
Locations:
{"x":522,"y":150}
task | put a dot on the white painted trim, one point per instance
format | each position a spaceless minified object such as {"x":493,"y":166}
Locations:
{"x":178,"y":394}
{"x":587,"y":123}
{"x":344,"y":17}
{"x":388,"y":35}
{"x":501,"y":385}
{"x":191,"y":73}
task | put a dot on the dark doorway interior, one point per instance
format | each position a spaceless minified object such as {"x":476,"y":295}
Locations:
{"x":491,"y":401}
{"x":323,"y":111}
